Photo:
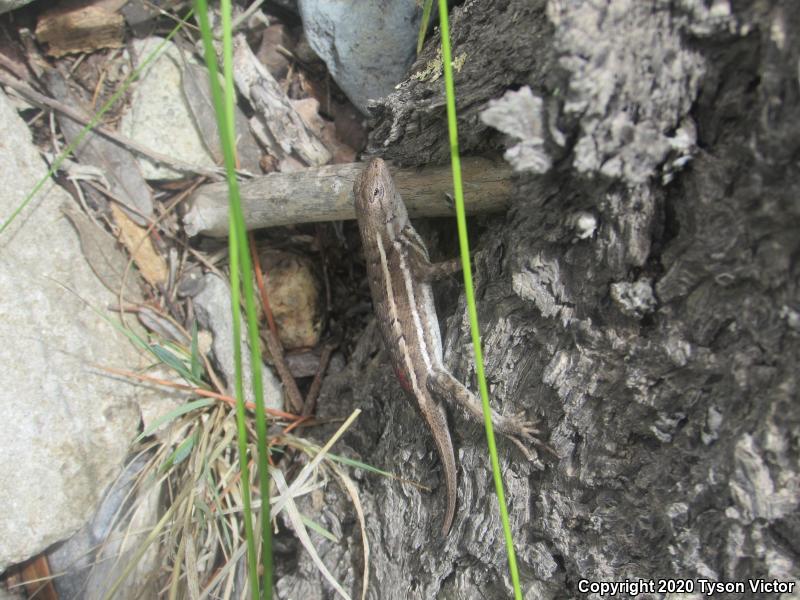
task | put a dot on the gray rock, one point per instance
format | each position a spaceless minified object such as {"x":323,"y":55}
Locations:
{"x":11,"y":595}
{"x":66,"y":425}
{"x":368,"y":46}
{"x":9,"y":5}
{"x":213,"y":306}
{"x":159,"y":116}
{"x":92,"y":560}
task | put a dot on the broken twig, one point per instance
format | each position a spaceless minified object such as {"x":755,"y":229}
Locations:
{"x":326,"y":194}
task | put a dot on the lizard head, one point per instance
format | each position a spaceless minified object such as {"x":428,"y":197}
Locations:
{"x":377,"y":200}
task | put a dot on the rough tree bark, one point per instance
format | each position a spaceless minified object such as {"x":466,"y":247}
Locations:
{"x":640,"y":298}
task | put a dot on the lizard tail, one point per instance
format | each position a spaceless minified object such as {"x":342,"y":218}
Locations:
{"x":444,"y":446}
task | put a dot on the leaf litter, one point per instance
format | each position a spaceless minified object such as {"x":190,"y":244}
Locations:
{"x":193,"y":468}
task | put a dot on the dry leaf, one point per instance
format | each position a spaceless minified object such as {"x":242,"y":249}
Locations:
{"x":284,"y":131}
{"x":151,"y":264}
{"x":308,"y":109}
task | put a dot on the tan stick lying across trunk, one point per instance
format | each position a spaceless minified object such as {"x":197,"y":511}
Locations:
{"x":326,"y":194}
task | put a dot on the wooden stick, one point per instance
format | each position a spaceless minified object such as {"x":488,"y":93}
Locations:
{"x":310,"y":404}
{"x":326,"y":194}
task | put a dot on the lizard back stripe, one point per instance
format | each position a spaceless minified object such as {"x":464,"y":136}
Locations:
{"x":414,"y":305}
{"x":395,"y":318}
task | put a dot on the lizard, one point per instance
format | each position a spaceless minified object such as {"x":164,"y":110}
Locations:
{"x":400,"y":273}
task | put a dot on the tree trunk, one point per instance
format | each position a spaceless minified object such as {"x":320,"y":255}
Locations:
{"x":640,"y":299}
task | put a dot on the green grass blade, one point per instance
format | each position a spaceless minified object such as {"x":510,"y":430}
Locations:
{"x":172,"y":415}
{"x":424,"y":22}
{"x":219,"y":106}
{"x":179,"y":454}
{"x":197,"y":366}
{"x":241,"y":267}
{"x":164,"y":354}
{"x":251,"y":308}
{"x":314,"y":526}
{"x":173,"y":362}
{"x":470,"y":294}
{"x":357,"y":464}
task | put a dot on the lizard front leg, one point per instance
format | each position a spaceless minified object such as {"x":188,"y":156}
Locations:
{"x":424,"y":270}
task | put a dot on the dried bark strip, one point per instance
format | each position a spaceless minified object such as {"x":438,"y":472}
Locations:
{"x":281,"y":127}
{"x":81,"y":27}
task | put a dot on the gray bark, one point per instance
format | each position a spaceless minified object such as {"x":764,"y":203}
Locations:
{"x":658,"y":344}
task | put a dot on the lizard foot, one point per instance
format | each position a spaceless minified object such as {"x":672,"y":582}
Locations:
{"x":522,"y":433}
{"x":517,"y":426}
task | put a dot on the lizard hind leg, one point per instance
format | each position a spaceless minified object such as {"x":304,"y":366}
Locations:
{"x":446,"y":387}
